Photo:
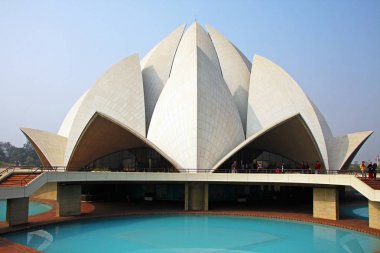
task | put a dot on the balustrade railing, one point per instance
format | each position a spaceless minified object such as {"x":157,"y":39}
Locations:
{"x":41,"y":169}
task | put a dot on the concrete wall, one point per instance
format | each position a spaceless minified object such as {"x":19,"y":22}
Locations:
{"x":48,"y":191}
{"x":326,"y":203}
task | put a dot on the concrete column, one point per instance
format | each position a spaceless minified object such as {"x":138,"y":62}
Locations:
{"x":326,"y":203}
{"x":205,"y":197}
{"x":68,"y":197}
{"x":186,"y":197}
{"x":196,"y":196}
{"x":17,"y":211}
{"x":374,"y":214}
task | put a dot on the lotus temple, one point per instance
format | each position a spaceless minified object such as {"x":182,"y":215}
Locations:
{"x":193,"y":121}
{"x":194,"y":102}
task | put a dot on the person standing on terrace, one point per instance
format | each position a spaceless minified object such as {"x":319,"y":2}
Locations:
{"x":370,"y":170}
{"x":317,"y":167}
{"x":362,"y":169}
{"x":374,"y":167}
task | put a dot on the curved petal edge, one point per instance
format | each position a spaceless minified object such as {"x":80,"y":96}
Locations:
{"x":274,"y":94}
{"x":343,"y":149}
{"x":104,"y":135}
{"x":156,"y":67}
{"x":289,"y":137}
{"x":119,"y":94}
{"x":49,"y":147}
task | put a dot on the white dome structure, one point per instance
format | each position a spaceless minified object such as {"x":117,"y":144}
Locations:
{"x":194,"y":102}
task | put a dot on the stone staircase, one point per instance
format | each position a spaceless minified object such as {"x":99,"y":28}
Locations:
{"x":374,"y":184}
{"x":19,"y":179}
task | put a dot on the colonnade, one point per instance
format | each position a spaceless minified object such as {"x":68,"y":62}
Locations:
{"x":68,"y":196}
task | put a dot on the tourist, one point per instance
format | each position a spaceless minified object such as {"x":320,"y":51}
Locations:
{"x":362,"y":169}
{"x":259,"y":166}
{"x":370,"y":170}
{"x":303,"y":167}
{"x":374,"y":167}
{"x":255,"y":167}
{"x":283,"y":168}
{"x":317,"y":167}
{"x":233,"y":167}
{"x":247,"y":168}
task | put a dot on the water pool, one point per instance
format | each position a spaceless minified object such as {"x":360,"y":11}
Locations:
{"x":194,"y":234}
{"x":34,"y":208}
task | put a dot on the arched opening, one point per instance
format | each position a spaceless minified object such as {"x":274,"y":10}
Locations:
{"x":250,"y":160}
{"x":107,"y":144}
{"x":289,"y":142}
{"x":135,"y":159}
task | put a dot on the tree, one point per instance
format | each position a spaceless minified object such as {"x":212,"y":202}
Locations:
{"x":2,"y":155}
{"x":14,"y":155}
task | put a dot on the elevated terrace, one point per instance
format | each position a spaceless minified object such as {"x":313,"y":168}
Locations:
{"x":69,"y":185}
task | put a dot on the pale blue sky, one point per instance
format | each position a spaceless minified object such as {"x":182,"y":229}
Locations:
{"x":52,"y":51}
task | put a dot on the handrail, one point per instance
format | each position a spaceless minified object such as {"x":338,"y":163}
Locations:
{"x":200,"y":170}
{"x":22,"y":181}
{"x":7,"y":170}
{"x":183,"y":170}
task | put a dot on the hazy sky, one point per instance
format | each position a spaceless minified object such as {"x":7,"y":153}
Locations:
{"x":51,"y":52}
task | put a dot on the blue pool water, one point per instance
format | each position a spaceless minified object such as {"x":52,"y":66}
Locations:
{"x":187,"y":234}
{"x":34,"y":208}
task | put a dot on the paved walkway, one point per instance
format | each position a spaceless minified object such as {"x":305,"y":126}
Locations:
{"x":107,"y":209}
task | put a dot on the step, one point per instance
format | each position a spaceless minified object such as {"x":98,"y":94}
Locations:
{"x":18,"y":180}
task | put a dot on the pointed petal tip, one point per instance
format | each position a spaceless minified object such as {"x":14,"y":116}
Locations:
{"x":368,"y":132}
{"x":196,"y":25}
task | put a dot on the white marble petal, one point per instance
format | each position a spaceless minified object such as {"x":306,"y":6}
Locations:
{"x":195,"y":120}
{"x":67,"y":123}
{"x":273,"y":94}
{"x":50,"y":147}
{"x":156,"y":67}
{"x":118,"y":94}
{"x":342,"y":149}
{"x":236,"y":71}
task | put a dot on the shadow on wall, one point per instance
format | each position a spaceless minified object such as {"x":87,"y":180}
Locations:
{"x":252,"y":115}
{"x":153,"y":86}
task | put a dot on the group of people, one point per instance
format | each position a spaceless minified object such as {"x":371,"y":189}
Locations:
{"x":235,"y":166}
{"x":280,"y":168}
{"x":306,"y":168}
{"x":371,"y":168}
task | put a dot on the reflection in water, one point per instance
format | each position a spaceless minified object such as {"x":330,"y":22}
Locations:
{"x":356,"y":212}
{"x":349,"y":242}
{"x":352,"y":244}
{"x":40,"y":239}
